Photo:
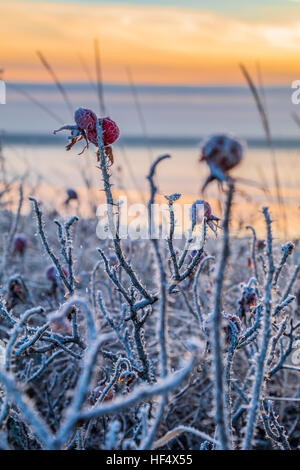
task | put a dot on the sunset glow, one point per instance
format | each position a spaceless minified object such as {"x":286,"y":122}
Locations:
{"x":161,"y":44}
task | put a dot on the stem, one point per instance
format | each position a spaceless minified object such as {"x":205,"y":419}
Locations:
{"x":217,"y":344}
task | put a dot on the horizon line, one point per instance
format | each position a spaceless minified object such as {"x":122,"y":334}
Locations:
{"x":36,"y":139}
{"x":145,"y":84}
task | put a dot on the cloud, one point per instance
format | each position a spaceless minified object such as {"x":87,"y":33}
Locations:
{"x":160,"y":44}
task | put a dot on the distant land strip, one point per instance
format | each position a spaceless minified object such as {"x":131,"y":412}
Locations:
{"x":139,"y":141}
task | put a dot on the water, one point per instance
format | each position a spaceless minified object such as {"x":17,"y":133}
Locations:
{"x":176,"y":118}
{"x":169,"y":111}
{"x":182,"y":173}
{"x":57,"y":170}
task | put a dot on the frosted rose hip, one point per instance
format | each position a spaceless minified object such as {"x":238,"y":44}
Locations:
{"x":85,"y":119}
{"x":52,"y":273}
{"x":110,"y":130}
{"x":199,"y":210}
{"x":221,"y":152}
{"x":86,"y":129}
{"x":72,"y":195}
{"x":20,"y":244}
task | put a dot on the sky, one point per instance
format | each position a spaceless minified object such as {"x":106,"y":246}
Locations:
{"x":161,"y":41}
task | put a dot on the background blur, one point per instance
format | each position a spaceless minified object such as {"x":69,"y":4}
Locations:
{"x":170,"y":75}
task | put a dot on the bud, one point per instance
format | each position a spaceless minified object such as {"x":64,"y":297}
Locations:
{"x":16,"y":292}
{"x":227,"y":318}
{"x":71,"y":193}
{"x":52,"y":275}
{"x":221,"y":153}
{"x":20,"y":244}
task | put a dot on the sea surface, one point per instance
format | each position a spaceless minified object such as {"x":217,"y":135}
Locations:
{"x":154,"y":120}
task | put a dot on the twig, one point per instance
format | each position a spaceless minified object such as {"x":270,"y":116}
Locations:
{"x":221,"y":420}
{"x":260,"y":368}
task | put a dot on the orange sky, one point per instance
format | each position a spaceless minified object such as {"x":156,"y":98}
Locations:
{"x":160,"y":44}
